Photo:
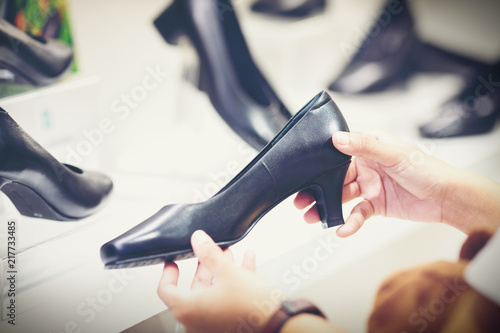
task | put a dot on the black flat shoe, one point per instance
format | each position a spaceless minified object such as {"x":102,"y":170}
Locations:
{"x":300,"y":157}
{"x":474,"y":111}
{"x":384,"y":58}
{"x":289,"y":8}
{"x":31,"y":60}
{"x":38,"y":185}
{"x":228,"y":74}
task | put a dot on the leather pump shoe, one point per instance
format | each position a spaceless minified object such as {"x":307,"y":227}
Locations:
{"x":25,"y":59}
{"x":384,"y":58}
{"x":38,"y":185}
{"x":474,"y":111}
{"x":237,"y":89}
{"x":300,"y":157}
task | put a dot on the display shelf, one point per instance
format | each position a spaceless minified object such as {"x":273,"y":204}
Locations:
{"x":60,"y":118}
{"x":44,"y":251}
{"x":62,"y":283}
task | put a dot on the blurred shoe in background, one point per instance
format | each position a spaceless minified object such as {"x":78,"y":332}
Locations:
{"x":25,"y":59}
{"x":473,"y":111}
{"x":289,"y":8}
{"x":228,"y":74}
{"x":39,"y":185}
{"x":384,"y":58}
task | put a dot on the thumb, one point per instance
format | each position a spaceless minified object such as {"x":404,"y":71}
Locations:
{"x":367,"y":146}
{"x":209,"y":254}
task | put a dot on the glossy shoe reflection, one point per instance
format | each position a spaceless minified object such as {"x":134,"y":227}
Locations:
{"x":237,"y":89}
{"x":25,"y":59}
{"x":290,"y":8}
{"x":38,"y":185}
{"x":384,"y":58}
{"x":300,"y":157}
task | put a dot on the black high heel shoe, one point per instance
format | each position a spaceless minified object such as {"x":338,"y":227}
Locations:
{"x":474,"y":111}
{"x":384,"y":58}
{"x":289,"y":8}
{"x":38,"y":185}
{"x":25,"y":59}
{"x":228,"y":74}
{"x":300,"y":157}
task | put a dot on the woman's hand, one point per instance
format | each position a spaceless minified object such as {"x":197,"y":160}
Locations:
{"x":393,"y":179}
{"x":223,"y":296}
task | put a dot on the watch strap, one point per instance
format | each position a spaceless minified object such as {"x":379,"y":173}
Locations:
{"x":287,"y":310}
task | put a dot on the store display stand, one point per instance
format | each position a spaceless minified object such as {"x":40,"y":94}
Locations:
{"x":57,"y":118}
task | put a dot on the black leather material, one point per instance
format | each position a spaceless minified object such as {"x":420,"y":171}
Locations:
{"x":301,"y":156}
{"x":38,"y":185}
{"x":384,"y":58}
{"x":474,"y":111}
{"x":432,"y":59}
{"x":290,"y":8}
{"x":237,"y":89}
{"x":37,"y":60}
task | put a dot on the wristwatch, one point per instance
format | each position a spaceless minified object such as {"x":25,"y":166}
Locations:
{"x":287,"y":310}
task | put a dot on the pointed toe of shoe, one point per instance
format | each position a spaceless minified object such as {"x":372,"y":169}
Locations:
{"x":119,"y":252}
{"x":106,"y":187}
{"x":110,"y":253}
{"x":152,"y":241}
{"x":455,"y":118}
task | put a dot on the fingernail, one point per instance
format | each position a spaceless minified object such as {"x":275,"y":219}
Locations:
{"x":343,"y":230}
{"x":199,"y":236}
{"x":250,"y":254}
{"x":342,"y":138}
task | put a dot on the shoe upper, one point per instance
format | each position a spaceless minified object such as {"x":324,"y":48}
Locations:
{"x":300,"y":153}
{"x":237,"y":89}
{"x":72,"y":192}
{"x":384,"y":57}
{"x":472,"y":111}
{"x":50,"y":57}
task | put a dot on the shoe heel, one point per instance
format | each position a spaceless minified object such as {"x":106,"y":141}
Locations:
{"x":169,"y":23}
{"x":327,"y":191}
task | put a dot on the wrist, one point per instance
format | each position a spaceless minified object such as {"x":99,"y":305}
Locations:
{"x":306,"y":322}
{"x":290,"y":309}
{"x":472,"y":202}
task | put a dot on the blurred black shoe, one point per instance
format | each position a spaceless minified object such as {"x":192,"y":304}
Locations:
{"x":236,"y":87}
{"x":289,"y":8}
{"x":25,"y":59}
{"x":384,"y":58}
{"x":432,"y":59}
{"x":473,"y":111}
